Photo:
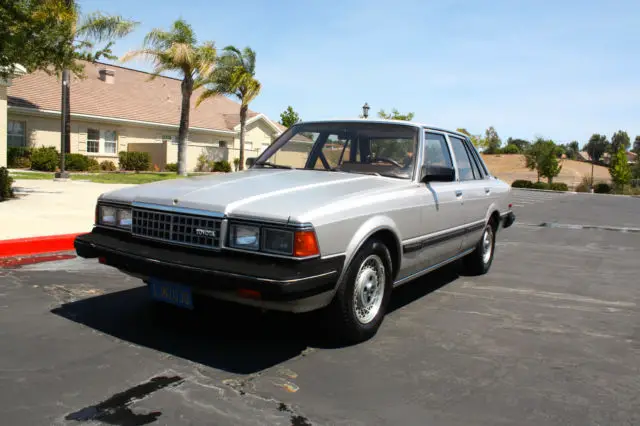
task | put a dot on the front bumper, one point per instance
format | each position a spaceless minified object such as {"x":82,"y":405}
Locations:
{"x":508,"y":219}
{"x":274,"y":278}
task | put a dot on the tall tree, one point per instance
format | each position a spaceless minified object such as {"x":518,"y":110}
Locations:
{"x":597,"y":146}
{"x":520,"y":143}
{"x":542,"y":156}
{"x":620,"y":170}
{"x":178,"y":50}
{"x":395,"y":115}
{"x":289,"y":117}
{"x":235,"y":76}
{"x":636,"y":145}
{"x":492,"y":140}
{"x":572,"y":150}
{"x":477,"y":140}
{"x":619,"y":140}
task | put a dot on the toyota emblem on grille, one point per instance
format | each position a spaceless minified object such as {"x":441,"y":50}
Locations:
{"x":205,"y":233}
{"x":175,"y":201}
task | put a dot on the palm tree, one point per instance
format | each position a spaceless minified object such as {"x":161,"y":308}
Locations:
{"x":178,"y":50}
{"x":235,"y":76}
{"x":85,"y":31}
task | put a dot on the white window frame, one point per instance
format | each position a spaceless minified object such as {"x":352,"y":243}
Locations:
{"x":170,"y":138}
{"x":13,"y":135}
{"x":248,"y":144}
{"x":102,"y":142}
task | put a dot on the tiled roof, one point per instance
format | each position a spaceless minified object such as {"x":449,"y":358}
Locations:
{"x":132,"y":96}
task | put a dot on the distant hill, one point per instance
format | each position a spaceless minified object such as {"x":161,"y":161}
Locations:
{"x":512,"y":167}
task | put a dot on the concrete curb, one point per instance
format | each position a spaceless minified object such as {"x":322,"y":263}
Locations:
{"x":37,"y":245}
{"x":574,"y":192}
{"x":17,"y":261}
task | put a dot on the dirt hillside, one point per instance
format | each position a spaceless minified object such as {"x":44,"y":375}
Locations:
{"x":512,"y":167}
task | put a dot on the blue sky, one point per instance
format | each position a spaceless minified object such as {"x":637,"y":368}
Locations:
{"x":559,"y":69}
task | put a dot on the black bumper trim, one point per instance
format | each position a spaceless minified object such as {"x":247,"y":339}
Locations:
{"x":275,"y":279}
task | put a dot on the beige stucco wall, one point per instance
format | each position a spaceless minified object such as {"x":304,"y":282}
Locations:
{"x":259,"y":134}
{"x":3,"y":125}
{"x":45,"y":131}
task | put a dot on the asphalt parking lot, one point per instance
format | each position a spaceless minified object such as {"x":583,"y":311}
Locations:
{"x":551,"y":336}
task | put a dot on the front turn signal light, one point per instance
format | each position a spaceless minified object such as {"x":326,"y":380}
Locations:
{"x":305,"y":244}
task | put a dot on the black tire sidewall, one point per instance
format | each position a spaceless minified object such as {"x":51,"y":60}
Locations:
{"x":359,"y":330}
{"x":487,"y":266}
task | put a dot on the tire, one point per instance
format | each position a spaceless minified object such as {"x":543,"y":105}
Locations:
{"x":362,"y":288}
{"x":479,"y":261}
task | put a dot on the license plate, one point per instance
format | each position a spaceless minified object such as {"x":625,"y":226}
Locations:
{"x":176,"y":294}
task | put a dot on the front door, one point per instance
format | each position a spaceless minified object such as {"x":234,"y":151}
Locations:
{"x":443,"y":219}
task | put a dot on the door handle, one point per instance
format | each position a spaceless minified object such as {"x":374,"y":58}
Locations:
{"x":458,"y":193}
{"x":487,"y":190}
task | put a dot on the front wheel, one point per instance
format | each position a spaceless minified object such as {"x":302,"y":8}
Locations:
{"x":479,"y":261}
{"x":360,"y":304}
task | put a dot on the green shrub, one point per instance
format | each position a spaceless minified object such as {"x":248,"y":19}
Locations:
{"x":16,"y":156}
{"x":76,"y":162}
{"x":511,"y":149}
{"x":45,"y":159}
{"x":203,"y":164}
{"x":236,"y":163}
{"x":585,"y":185}
{"x":540,"y":185}
{"x":222,"y":166}
{"x":171,"y":167}
{"x":602,"y":188}
{"x":93,"y":165}
{"x":559,"y":186}
{"x":138,"y":161}
{"x":521,"y":183}
{"x":21,"y":163}
{"x":108,"y":166}
{"x":6,"y":191}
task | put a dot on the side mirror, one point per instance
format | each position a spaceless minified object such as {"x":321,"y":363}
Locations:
{"x":250,"y":161}
{"x":437,"y":174}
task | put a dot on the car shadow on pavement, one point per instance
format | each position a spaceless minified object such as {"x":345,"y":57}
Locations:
{"x":221,"y":335}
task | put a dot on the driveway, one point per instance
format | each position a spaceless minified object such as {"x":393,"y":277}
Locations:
{"x":551,"y":336}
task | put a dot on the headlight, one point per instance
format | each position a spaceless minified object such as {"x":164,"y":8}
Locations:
{"x":114,"y":216}
{"x":245,"y":237}
{"x":277,"y":241}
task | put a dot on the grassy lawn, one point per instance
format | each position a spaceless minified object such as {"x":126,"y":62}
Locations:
{"x":130,"y":178}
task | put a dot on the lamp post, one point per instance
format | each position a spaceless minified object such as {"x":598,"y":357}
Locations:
{"x":365,"y":110}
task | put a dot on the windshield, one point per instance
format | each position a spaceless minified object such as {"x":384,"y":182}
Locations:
{"x":370,"y":148}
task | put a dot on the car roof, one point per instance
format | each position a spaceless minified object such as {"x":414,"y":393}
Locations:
{"x":384,"y":121}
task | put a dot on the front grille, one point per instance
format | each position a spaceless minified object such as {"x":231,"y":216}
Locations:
{"x":176,"y":228}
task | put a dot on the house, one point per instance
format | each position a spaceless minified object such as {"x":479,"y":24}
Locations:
{"x":117,"y":109}
{"x":4,"y":85}
{"x":632,"y":157}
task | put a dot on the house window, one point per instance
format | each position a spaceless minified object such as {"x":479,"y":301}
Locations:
{"x":248,"y":146}
{"x":102,"y":141}
{"x":169,"y":138}
{"x":93,"y":140}
{"x":222,"y":144}
{"x":16,"y":135}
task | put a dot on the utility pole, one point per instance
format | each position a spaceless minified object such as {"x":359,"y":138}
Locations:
{"x":65,"y":117}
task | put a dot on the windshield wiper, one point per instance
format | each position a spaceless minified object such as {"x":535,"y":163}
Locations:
{"x":275,"y":166}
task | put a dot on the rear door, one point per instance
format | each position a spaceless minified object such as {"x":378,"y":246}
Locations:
{"x":476,"y":189}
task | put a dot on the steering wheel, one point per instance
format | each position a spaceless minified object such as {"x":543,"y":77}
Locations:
{"x":387,"y":160}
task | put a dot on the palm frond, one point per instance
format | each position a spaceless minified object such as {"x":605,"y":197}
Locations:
{"x":209,"y":93}
{"x":101,"y":27}
{"x":148,"y":54}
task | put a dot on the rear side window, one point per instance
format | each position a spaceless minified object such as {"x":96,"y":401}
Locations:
{"x":467,"y":168}
{"x":476,"y":157}
{"x":436,"y":151}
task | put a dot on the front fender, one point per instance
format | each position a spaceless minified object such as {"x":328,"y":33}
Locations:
{"x":364,"y":232}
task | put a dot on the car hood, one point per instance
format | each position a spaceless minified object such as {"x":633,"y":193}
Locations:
{"x":273,"y":194}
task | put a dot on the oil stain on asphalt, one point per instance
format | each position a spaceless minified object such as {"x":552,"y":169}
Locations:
{"x":115,"y":410}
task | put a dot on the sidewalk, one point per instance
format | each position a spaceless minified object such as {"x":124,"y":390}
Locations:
{"x":46,"y":207}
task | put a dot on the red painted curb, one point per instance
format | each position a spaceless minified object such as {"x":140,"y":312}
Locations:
{"x":15,"y":262}
{"x":37,"y":245}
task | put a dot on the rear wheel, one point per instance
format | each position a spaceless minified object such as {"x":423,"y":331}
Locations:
{"x":360,"y":304}
{"x":479,"y":261}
